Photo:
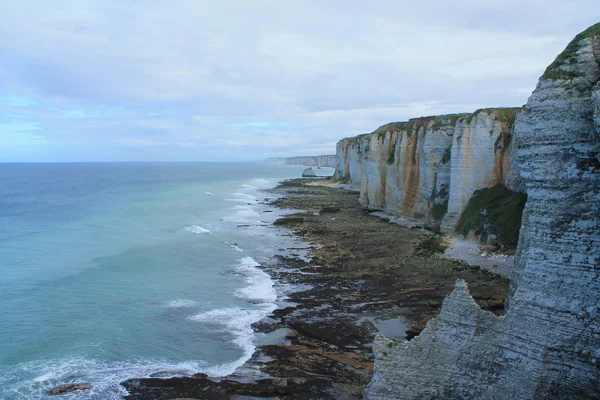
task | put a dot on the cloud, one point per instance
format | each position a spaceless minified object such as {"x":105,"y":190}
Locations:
{"x":140,"y":142}
{"x":240,"y":80}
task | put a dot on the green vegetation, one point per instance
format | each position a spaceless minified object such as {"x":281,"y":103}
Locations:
{"x":450,"y":119}
{"x":434,"y":244}
{"x":555,"y":70}
{"x":392,"y":156}
{"x":496,"y":211}
{"x":446,"y":156}
{"x":415,"y":124}
{"x":505,"y":115}
{"x":438,"y":211}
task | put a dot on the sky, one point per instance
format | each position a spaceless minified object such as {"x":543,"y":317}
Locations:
{"x":239,"y":80}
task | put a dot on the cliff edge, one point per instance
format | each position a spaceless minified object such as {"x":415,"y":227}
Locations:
{"x":548,"y":343}
{"x":429,"y":168}
{"x":308,"y":161}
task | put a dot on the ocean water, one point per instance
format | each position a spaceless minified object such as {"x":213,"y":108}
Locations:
{"x":114,"y":271}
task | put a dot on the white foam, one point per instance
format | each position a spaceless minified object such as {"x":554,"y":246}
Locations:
{"x":209,"y":193}
{"x":197,"y":229}
{"x":234,"y":246}
{"x":260,"y":286}
{"x":263,"y":184}
{"x":44,"y":378}
{"x":246,"y":211}
{"x":242,"y":198}
{"x":32,"y":380}
{"x":238,"y":321}
{"x":180,"y":303}
{"x":244,"y":215}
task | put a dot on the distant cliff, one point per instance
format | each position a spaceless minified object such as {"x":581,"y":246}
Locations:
{"x":308,"y":161}
{"x":547,"y":346}
{"x":429,"y":168}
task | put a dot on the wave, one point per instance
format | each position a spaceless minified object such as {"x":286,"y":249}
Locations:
{"x":197,"y":229}
{"x":234,"y":246}
{"x":244,"y":215}
{"x":242,"y":198}
{"x":263,"y":184}
{"x":260,"y":285}
{"x":32,"y":380}
{"x":238,"y":321}
{"x":209,"y":193}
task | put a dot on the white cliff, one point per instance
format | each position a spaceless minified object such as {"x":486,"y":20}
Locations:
{"x":428,"y":168}
{"x":547,"y":346}
{"x":308,"y":161}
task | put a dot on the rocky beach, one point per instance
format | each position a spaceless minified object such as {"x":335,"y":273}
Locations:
{"x":363,"y":276}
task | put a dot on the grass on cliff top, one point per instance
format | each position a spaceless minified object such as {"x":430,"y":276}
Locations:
{"x":417,"y":123}
{"x":554,"y":70}
{"x":496,"y":211}
{"x":505,"y":115}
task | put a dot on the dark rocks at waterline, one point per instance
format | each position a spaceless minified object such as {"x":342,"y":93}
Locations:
{"x":362,"y":272}
{"x":199,"y":387}
{"x":330,"y":210}
{"x":69,"y":387}
{"x":290,"y":220}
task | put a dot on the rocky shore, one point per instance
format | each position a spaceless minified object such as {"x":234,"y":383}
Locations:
{"x":364,"y":276}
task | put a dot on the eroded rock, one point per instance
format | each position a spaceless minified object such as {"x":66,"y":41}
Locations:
{"x":69,"y":387}
{"x":547,"y":346}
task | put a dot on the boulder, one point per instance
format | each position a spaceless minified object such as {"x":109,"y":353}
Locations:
{"x":69,"y":387}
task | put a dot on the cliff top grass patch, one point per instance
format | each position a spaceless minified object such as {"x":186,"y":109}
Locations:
{"x":418,"y":123}
{"x":493,"y":211}
{"x":505,"y":115}
{"x":556,"y":70}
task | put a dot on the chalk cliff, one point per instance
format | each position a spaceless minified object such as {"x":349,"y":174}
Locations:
{"x":428,"y":168}
{"x":308,"y":161}
{"x":547,"y":346}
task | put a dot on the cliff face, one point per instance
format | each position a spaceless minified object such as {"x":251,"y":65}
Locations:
{"x":428,"y":168}
{"x":548,"y":343}
{"x":308,"y":161}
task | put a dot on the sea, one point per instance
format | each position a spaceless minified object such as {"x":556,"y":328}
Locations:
{"x":110,"y":271}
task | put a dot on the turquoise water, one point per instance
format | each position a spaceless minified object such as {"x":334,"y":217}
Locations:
{"x":112,"y":271}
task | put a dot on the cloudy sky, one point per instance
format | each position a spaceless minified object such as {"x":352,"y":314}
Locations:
{"x":193,"y":80}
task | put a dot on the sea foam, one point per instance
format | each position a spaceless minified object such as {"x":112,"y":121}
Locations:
{"x":260,"y":286}
{"x":197,"y":229}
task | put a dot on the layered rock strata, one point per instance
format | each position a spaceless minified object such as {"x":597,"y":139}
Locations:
{"x":428,"y":168}
{"x":308,"y":161}
{"x":548,"y":343}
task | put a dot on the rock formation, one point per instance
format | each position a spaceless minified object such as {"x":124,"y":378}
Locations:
{"x":547,"y":346}
{"x":428,"y":168}
{"x":309,"y":173}
{"x":69,"y":387}
{"x":308,"y":161}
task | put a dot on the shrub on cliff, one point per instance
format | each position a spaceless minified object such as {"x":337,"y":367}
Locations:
{"x":493,"y":211}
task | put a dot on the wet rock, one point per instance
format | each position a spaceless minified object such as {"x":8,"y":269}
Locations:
{"x":290,"y":220}
{"x":69,"y":387}
{"x":329,"y":210}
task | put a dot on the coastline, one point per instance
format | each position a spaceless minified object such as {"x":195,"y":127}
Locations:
{"x":364,"y":277}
